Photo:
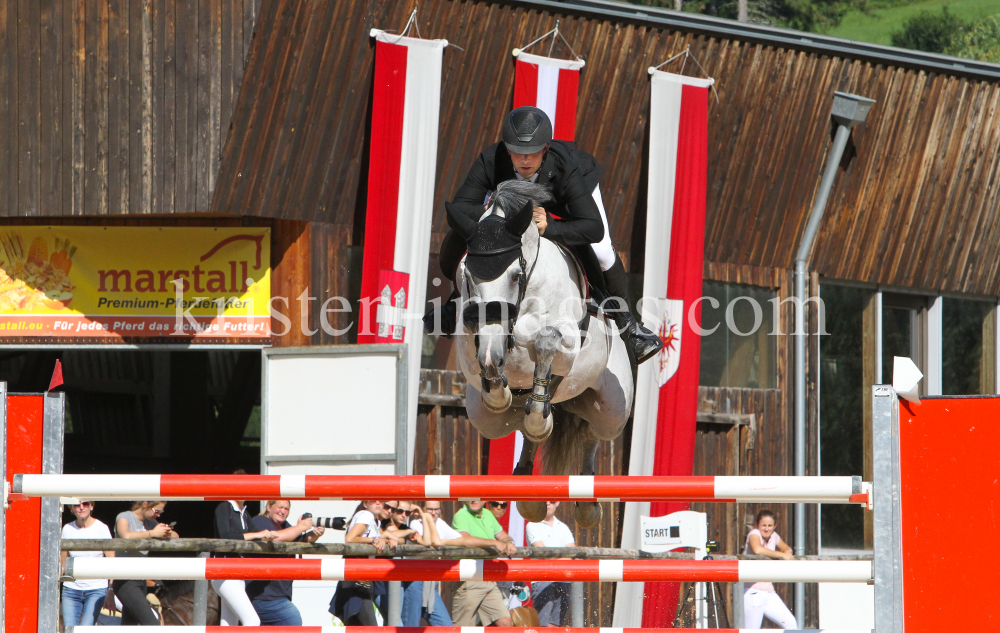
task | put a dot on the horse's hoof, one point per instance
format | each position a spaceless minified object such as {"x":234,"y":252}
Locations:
{"x":507,"y":396}
{"x":536,"y":432}
{"x":533,"y":511}
{"x":587,"y":513}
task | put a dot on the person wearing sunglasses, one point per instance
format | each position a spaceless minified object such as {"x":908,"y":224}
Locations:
{"x":396,"y":526}
{"x":82,"y":599}
{"x":355,"y":601}
{"x":142,"y":521}
{"x":551,"y":598}
{"x":498,"y":508}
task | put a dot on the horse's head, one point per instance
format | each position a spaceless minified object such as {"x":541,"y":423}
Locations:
{"x":502,"y":250}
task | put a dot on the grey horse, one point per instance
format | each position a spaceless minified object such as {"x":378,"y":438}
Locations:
{"x":529,"y":366}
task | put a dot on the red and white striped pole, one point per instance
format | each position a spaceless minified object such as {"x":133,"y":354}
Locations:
{"x":428,"y":629}
{"x":541,"y":488}
{"x":82,"y":568}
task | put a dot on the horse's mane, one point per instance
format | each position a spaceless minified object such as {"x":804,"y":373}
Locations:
{"x":511,"y":195}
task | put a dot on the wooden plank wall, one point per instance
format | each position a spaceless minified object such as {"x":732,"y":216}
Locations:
{"x":117,"y":106}
{"x":912,"y":205}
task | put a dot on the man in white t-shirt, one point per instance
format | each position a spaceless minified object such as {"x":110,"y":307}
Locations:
{"x":551,"y":599}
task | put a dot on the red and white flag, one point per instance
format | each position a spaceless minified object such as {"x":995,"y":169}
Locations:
{"x":551,"y":85}
{"x":666,"y":399}
{"x":406,"y":102}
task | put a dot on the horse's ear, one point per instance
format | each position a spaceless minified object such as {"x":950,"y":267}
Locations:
{"x":457,"y":220}
{"x":518,"y":223}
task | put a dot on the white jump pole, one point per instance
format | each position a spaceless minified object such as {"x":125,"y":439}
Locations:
{"x":559,"y":570}
{"x":843,"y":490}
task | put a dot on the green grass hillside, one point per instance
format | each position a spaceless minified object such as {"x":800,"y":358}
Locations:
{"x":877,"y":25}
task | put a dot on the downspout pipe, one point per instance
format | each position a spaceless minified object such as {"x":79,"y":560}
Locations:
{"x":848,"y":110}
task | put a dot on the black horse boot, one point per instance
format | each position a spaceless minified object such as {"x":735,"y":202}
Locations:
{"x":642,"y":343}
{"x":449,"y":317}
{"x":451,"y":253}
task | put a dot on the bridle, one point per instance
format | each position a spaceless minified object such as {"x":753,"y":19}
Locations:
{"x":494,"y":310}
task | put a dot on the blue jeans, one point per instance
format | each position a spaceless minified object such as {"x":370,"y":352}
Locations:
{"x":277,"y":612}
{"x":413,"y":598}
{"x":81,"y":607}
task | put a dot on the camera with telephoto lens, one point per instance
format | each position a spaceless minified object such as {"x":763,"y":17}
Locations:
{"x":333,"y":523}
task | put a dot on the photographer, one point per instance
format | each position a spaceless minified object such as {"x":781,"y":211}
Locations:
{"x":272,"y":599}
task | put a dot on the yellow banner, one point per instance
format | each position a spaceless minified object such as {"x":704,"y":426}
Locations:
{"x":134,"y":282}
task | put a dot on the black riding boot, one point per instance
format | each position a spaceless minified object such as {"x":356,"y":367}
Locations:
{"x":642,"y":343}
{"x":449,"y":317}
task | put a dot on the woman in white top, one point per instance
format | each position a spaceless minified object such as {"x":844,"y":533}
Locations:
{"x":82,"y":599}
{"x":760,"y":599}
{"x":354,"y":601}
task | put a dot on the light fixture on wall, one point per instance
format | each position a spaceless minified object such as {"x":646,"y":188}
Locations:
{"x":905,"y":378}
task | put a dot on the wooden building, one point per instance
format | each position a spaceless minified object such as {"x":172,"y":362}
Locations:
{"x":256,"y":113}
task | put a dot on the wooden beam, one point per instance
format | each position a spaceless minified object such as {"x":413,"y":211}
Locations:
{"x":413,"y":551}
{"x":869,"y":365}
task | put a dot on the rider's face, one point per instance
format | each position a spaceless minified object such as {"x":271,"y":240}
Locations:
{"x":527,"y":164}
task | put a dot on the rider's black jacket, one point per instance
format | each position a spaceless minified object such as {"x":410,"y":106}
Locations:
{"x":571,"y":175}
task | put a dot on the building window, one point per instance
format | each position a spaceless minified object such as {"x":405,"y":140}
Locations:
{"x":841,"y":428}
{"x":968,"y":358}
{"x":740,"y":351}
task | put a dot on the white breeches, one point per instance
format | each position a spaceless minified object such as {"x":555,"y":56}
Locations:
{"x":757,"y":604}
{"x":603,"y":249}
{"x":236,"y":605}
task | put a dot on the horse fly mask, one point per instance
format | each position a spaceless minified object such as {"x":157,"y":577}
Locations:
{"x":493,"y":245}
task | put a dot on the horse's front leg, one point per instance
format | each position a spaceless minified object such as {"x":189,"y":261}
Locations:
{"x":538,"y":407}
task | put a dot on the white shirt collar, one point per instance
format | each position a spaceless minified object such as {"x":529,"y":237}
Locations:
{"x":534,"y":178}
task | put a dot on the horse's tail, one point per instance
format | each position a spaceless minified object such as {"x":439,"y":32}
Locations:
{"x":562,"y":453}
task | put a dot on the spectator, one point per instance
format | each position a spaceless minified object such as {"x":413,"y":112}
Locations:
{"x":232,"y":521}
{"x":396,"y":525}
{"x":480,"y":598}
{"x":760,"y":599}
{"x":421,"y":599}
{"x":551,"y":598}
{"x":82,"y":599}
{"x":498,"y":508}
{"x":272,"y":599}
{"x":354,"y":601}
{"x":132,"y":593}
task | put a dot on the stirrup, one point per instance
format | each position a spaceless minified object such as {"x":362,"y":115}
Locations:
{"x":643,"y":343}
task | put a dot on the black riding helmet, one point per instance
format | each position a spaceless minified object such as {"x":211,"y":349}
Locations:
{"x":527,"y":130}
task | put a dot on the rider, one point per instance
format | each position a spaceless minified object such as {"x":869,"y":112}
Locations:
{"x":576,"y":218}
